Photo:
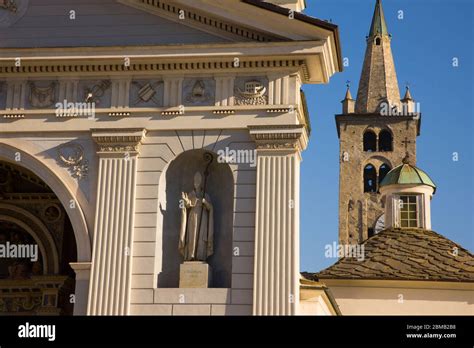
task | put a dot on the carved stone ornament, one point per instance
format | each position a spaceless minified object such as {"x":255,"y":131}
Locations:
{"x":11,"y":11}
{"x":94,"y":93}
{"x":51,"y":213}
{"x":42,"y":97}
{"x":147,"y":93}
{"x":119,"y":142}
{"x":198,"y":94}
{"x":254,"y":94}
{"x":291,"y":137}
{"x":72,"y":156}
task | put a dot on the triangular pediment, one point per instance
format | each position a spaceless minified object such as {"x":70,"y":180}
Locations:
{"x":82,"y":23}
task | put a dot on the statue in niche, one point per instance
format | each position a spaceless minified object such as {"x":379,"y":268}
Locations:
{"x":196,"y":238}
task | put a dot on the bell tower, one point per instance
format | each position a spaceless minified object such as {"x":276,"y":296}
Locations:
{"x":375,"y":131}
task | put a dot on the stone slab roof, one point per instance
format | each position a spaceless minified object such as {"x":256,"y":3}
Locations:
{"x":405,"y":254}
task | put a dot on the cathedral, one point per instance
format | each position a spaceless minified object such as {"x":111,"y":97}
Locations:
{"x":150,"y":158}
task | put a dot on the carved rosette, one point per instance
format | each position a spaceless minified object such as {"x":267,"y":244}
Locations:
{"x":119,"y":142}
{"x":289,"y":137}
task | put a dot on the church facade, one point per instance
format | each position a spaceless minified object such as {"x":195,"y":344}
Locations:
{"x":151,"y":151}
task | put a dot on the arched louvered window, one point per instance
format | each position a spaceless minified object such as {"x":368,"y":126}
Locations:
{"x":370,"y":141}
{"x":370,"y":178}
{"x":385,"y":141}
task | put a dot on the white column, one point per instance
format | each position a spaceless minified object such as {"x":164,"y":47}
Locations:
{"x":83,"y":273}
{"x":277,"y":250}
{"x":110,"y":284}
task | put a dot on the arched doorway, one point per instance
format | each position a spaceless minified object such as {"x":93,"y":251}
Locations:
{"x":37,"y":244}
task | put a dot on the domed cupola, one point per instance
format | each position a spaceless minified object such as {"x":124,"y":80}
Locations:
{"x":406,"y":192}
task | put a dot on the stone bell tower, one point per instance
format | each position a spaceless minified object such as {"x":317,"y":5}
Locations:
{"x":376,"y":131}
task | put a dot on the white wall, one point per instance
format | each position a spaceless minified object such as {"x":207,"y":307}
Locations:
{"x":422,"y":300}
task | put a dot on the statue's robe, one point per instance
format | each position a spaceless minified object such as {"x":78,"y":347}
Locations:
{"x":194,"y":245}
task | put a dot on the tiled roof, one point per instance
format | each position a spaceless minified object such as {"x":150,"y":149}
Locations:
{"x":406,"y":254}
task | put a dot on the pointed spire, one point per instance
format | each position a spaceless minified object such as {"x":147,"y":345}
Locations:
{"x":379,"y":26}
{"x":348,"y":104}
{"x":378,"y":81}
{"x":348,"y":92}
{"x":407,"y":94}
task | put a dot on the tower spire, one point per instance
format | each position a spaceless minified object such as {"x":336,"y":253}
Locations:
{"x":378,"y":82}
{"x":378,"y":26}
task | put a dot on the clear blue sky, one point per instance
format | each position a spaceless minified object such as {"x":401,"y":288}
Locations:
{"x":423,"y":44}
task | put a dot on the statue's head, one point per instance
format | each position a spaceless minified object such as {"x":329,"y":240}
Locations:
{"x":197,"y":181}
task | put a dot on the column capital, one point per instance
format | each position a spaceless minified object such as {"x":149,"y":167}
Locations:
{"x":293,"y":138}
{"x":82,"y":269}
{"x":118,"y":141}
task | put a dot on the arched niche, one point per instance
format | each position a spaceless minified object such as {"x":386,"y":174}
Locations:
{"x":178,"y":177}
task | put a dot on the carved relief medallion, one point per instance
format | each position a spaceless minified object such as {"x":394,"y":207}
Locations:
{"x":251,"y":91}
{"x":146,"y":93}
{"x":199,"y":92}
{"x":72,"y":156}
{"x":98,"y":92}
{"x":11,"y":11}
{"x":42,"y":94}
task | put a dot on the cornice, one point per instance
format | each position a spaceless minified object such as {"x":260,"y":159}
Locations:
{"x":200,"y":20}
{"x":280,"y":137}
{"x":118,"y":140}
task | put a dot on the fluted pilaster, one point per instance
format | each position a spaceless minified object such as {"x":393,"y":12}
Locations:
{"x":109,"y":290}
{"x":276,"y":268}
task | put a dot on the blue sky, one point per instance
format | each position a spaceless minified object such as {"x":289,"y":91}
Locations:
{"x":424,"y":43}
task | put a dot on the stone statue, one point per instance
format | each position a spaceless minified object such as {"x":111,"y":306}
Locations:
{"x":196,"y":237}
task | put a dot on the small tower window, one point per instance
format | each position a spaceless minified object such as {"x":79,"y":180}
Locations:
{"x":383,"y":170}
{"x":370,"y":178}
{"x":385,"y":141}
{"x":377,"y":41}
{"x":408,"y":211}
{"x":370,"y":141}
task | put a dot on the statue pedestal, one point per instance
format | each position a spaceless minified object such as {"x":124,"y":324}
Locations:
{"x":194,"y":274}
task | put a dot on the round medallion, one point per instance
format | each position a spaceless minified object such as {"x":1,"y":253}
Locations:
{"x":11,"y":11}
{"x":52,"y":213}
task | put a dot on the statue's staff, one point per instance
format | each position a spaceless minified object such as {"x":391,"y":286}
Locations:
{"x":209,"y":158}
